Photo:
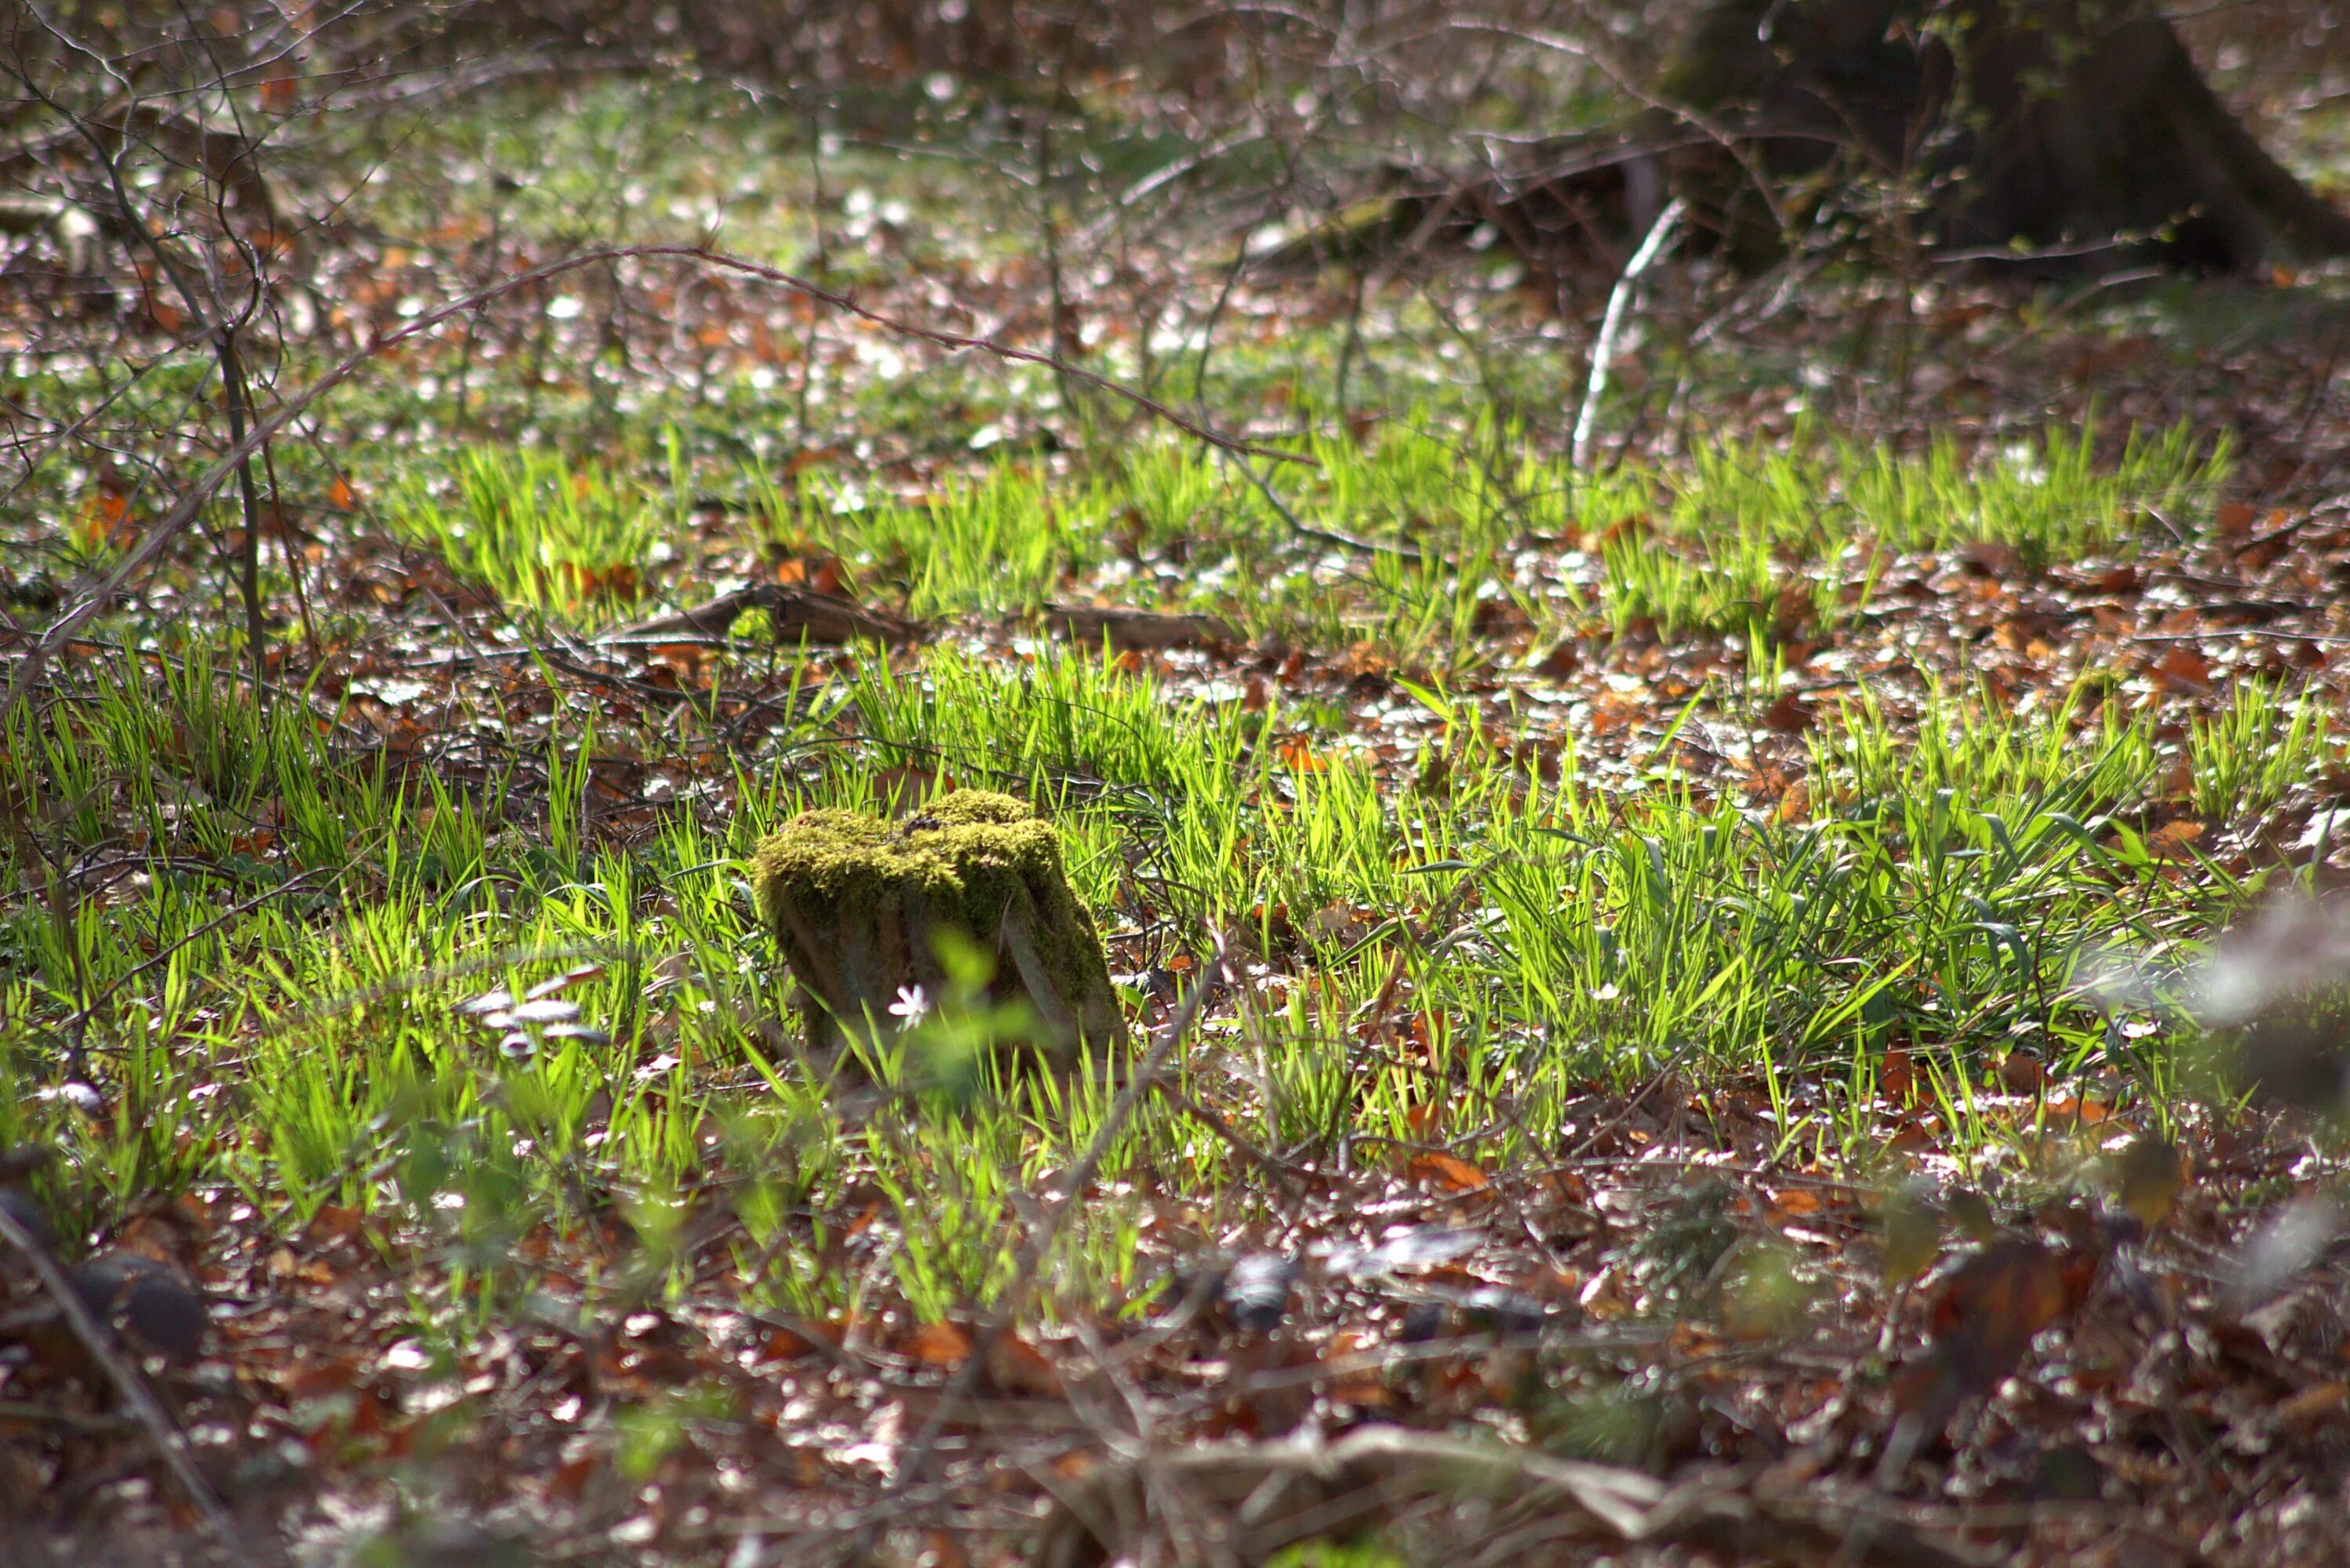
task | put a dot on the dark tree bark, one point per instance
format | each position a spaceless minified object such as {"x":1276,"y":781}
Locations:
{"x":2071,"y":135}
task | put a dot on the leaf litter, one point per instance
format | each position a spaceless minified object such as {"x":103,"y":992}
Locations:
{"x":2079,"y":1337}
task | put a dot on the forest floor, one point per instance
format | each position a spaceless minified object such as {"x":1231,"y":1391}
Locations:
{"x":1702,"y":1003}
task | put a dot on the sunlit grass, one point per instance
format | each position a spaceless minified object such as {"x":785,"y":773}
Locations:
{"x":284,"y":1018}
{"x":540,"y":533}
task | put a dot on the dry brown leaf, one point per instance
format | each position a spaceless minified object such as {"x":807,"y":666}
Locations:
{"x":1450,"y":1172}
{"x":1790,"y":715}
{"x":939,"y":1345}
{"x":1798,"y":1202}
{"x":2081,"y":1110}
{"x":1016,"y":1367}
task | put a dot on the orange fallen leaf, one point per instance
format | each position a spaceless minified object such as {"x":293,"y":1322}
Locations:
{"x":1799,"y":1202}
{"x":1447,"y":1171}
{"x":1896,"y":1079}
{"x":1301,"y":757}
{"x":784,"y":1343}
{"x":941,"y":1344}
{"x":2184,"y":670}
{"x":1611,"y":713}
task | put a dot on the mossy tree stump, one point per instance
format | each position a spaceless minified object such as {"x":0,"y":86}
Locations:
{"x":858,"y":904}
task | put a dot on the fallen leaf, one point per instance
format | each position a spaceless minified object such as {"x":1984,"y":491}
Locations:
{"x":1912,"y":1224}
{"x":2148,"y":1179}
{"x":1790,"y":715}
{"x":1798,"y":1202}
{"x":2184,"y":670}
{"x":1447,"y":1171}
{"x":2082,"y":1111}
{"x":1563,"y":661}
{"x":1016,"y":1367}
{"x":2172,"y":839}
{"x":1896,"y":1078}
{"x":1983,"y":1323}
{"x":939,"y":1345}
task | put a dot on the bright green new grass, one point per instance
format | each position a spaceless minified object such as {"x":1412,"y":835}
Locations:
{"x":541,"y":533}
{"x":294,"y":1035}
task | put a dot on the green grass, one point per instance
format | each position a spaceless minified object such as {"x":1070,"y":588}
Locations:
{"x":541,"y":533}
{"x":253,"y":924}
{"x":311,"y":921}
{"x":1787,"y":541}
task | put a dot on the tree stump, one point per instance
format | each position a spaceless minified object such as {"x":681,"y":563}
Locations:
{"x":857,"y":905}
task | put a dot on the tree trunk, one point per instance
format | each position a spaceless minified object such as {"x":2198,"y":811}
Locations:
{"x":2056,"y":136}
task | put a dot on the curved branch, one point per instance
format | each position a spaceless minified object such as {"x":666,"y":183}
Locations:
{"x":184,"y":512}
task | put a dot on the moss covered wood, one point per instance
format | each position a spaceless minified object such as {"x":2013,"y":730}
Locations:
{"x":858,"y":903}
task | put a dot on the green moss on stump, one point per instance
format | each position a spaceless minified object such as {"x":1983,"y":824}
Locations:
{"x":856,"y":902}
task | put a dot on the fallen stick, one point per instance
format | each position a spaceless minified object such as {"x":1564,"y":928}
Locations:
{"x":820,"y":618}
{"x":1619,"y":306}
{"x":1137,"y":630}
{"x":1272,"y":1495}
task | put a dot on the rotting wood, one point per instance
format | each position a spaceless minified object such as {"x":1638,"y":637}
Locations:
{"x":859,"y":907}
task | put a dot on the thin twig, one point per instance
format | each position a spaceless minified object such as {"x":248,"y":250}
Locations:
{"x":1619,"y":306}
{"x":1306,"y":530}
{"x":191,"y":504}
{"x":141,"y":1400}
{"x":1290,"y":1176}
{"x":75,"y":1023}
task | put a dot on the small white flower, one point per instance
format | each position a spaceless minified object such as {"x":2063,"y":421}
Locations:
{"x":912,"y":1005}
